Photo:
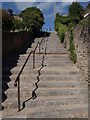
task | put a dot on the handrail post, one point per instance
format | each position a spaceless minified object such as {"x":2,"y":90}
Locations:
{"x":42,"y":44}
{"x":33,"y":59}
{"x":18,"y":94}
{"x":39,"y":48}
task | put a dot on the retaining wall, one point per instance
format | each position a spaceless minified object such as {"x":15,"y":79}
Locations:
{"x":82,"y":46}
{"x":12,"y":41}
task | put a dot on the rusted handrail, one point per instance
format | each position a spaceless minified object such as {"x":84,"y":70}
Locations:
{"x":17,"y":81}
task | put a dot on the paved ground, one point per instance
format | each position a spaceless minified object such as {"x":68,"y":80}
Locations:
{"x":54,"y":89}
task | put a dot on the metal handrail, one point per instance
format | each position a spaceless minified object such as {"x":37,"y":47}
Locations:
{"x":17,"y":81}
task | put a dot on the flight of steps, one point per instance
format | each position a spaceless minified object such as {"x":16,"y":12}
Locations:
{"x":62,"y":91}
{"x":11,"y":67}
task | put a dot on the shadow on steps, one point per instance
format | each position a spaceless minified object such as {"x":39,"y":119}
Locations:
{"x":7,"y":64}
{"x":11,"y":61}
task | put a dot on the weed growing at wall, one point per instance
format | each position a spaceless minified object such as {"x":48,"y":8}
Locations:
{"x":72,"y":49}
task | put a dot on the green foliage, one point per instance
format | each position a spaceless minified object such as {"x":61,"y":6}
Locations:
{"x":71,"y":25}
{"x":60,"y":26}
{"x":7,"y":20}
{"x":61,"y":32}
{"x":72,"y":49}
{"x":18,"y":25}
{"x":75,"y":12}
{"x":64,"y":23}
{"x":33,"y":19}
{"x":62,"y":19}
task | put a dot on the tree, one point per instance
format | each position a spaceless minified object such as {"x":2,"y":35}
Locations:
{"x":18,"y":25}
{"x":75,"y":11}
{"x":7,"y":20}
{"x":32,"y":18}
{"x":10,"y":12}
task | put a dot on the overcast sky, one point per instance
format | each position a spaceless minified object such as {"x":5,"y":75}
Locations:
{"x":46,"y":7}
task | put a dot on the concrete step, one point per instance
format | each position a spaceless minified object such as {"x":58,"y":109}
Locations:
{"x":59,"y":71}
{"x":25,"y":92}
{"x":59,"y":100}
{"x":46,"y":60}
{"x":61,"y":91}
{"x":50,"y":84}
{"x":57,"y":58}
{"x":23,"y":83}
{"x":66,"y":111}
{"x":16,"y":71}
{"x":37,"y":57}
{"x":57,"y":64}
{"x":51,"y":62}
{"x":23,"y":77}
{"x":26,"y":70}
{"x":63,"y":77}
{"x":63,"y":111}
{"x":61,"y":64}
{"x":47,"y":91}
{"x":47,"y":101}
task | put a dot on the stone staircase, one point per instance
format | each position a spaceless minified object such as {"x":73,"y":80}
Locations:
{"x":60,"y":88}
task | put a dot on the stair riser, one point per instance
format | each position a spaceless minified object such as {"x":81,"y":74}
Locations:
{"x":64,"y":114}
{"x":42,"y":84}
{"x":25,"y":94}
{"x":27,"y":78}
{"x":59,"y":85}
{"x":60,"y":72}
{"x":48,"y":92}
{"x":38,"y":103}
{"x":30,"y":64}
{"x":61,"y":92}
{"x":26,"y":71}
{"x":60,"y":78}
{"x":53,"y":78}
{"x":23,"y":84}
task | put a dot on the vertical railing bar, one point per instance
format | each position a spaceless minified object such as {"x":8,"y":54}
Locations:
{"x":33,"y":59}
{"x":39,"y":48}
{"x":42,"y":44}
{"x":18,"y":95}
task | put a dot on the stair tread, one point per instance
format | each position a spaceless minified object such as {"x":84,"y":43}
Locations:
{"x":48,"y":109}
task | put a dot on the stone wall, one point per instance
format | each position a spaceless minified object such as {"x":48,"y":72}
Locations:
{"x":82,"y":44}
{"x":12,"y":41}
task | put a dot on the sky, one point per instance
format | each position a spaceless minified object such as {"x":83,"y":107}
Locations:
{"x":47,"y":7}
